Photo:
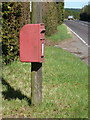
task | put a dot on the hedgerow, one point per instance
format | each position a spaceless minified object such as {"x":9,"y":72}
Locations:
{"x":53,"y":14}
{"x":14,"y":15}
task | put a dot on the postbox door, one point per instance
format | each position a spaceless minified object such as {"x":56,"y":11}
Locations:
{"x":29,"y":45}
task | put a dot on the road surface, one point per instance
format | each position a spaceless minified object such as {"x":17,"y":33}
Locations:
{"x":80,"y":28}
{"x":79,"y":44}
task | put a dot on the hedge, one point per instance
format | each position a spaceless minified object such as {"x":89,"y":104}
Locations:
{"x":15,"y":15}
{"x":53,"y":14}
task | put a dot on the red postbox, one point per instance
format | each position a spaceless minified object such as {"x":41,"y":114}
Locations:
{"x":32,"y":43}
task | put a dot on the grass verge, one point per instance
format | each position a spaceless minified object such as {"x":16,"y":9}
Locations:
{"x":61,"y":34}
{"x":65,"y":88}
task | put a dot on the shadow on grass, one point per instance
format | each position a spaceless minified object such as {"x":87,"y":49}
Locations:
{"x":13,"y":94}
{"x":0,"y":48}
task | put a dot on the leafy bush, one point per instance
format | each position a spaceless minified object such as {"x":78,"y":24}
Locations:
{"x":15,"y":15}
{"x":60,"y":12}
{"x":53,"y":14}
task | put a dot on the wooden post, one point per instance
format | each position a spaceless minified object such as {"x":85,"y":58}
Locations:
{"x":36,"y":68}
{"x":36,"y":12}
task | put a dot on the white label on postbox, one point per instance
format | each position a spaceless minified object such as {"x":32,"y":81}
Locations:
{"x":42,"y":49}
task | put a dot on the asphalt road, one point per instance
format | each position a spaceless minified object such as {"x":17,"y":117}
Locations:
{"x":80,"y":28}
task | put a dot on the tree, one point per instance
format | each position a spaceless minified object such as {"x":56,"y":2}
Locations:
{"x":85,"y":14}
{"x":74,"y":12}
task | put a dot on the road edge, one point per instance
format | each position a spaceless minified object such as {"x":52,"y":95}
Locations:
{"x":77,"y":36}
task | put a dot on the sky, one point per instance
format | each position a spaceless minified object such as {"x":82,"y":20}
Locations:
{"x":75,"y":3}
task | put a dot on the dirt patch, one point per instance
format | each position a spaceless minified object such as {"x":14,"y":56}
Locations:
{"x":49,"y":43}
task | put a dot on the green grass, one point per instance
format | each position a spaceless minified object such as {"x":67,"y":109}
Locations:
{"x":65,"y":88}
{"x":60,"y":35}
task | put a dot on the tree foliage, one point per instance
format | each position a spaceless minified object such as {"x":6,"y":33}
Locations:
{"x":15,"y":15}
{"x":85,"y":13}
{"x":60,"y":12}
{"x":74,"y":12}
{"x":53,"y":14}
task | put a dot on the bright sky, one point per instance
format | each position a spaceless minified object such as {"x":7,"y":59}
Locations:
{"x":75,"y":3}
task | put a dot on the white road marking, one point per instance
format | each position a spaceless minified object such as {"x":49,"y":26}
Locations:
{"x":79,"y":37}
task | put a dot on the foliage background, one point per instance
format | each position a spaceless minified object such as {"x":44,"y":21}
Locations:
{"x":85,"y":13}
{"x":53,"y":15}
{"x":82,"y":14}
{"x":14,"y":15}
{"x":74,"y":12}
